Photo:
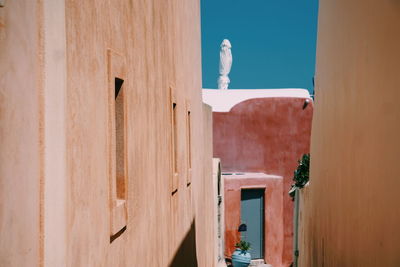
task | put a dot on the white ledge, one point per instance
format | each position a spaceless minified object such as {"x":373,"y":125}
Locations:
{"x":241,"y":175}
{"x":225,"y":100}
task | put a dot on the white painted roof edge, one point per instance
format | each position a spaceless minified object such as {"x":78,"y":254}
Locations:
{"x":225,"y":100}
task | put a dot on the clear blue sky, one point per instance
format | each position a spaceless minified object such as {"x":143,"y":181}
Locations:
{"x":273,"y":42}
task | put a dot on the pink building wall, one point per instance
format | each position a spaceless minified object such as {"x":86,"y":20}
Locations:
{"x":264,"y":135}
{"x":273,"y":243}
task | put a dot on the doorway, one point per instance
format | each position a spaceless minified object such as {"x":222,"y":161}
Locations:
{"x":252,"y":214}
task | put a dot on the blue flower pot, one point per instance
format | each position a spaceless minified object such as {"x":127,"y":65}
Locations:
{"x":241,"y":258}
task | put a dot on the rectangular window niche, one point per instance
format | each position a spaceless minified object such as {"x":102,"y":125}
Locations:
{"x":174,"y":141}
{"x":189,"y":144}
{"x":117,"y":143}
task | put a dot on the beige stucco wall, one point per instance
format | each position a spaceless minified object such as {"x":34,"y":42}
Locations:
{"x":21,"y":165}
{"x":350,"y":213}
{"x":55,"y":208}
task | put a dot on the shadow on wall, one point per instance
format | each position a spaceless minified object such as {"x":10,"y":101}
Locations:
{"x":186,"y":254}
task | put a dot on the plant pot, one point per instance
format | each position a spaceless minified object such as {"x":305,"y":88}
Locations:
{"x":241,"y":258}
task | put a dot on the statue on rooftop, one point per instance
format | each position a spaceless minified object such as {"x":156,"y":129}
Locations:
{"x":225,"y":64}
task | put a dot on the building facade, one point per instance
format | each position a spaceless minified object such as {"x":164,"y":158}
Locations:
{"x":260,"y":135}
{"x":349,"y":213}
{"x":106,"y":151}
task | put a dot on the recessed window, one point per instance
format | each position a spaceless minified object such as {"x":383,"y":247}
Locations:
{"x":119,"y":139}
{"x":117,"y":144}
{"x":175,"y":136}
{"x":174,"y":149}
{"x":189,"y":147}
{"x":174,"y":143}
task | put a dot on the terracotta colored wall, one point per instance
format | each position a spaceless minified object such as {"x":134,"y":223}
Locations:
{"x":266,"y":135}
{"x":350,"y":213}
{"x":273,"y":214}
{"x":55,"y":208}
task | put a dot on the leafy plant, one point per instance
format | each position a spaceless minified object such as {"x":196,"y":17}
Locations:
{"x":301,"y":174}
{"x":243,"y":245}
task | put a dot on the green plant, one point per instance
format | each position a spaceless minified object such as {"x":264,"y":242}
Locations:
{"x":243,"y":245}
{"x":301,"y":174}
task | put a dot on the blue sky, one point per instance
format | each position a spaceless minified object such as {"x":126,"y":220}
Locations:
{"x":273,"y":42}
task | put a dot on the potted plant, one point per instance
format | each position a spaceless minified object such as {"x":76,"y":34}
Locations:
{"x":301,"y":175}
{"x":241,"y":257}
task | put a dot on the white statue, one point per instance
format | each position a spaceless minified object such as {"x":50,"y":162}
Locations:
{"x":225,"y":64}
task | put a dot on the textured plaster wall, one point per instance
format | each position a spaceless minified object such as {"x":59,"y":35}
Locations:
{"x":21,"y":165}
{"x":54,"y":208}
{"x":160,"y":41}
{"x":267,"y":135}
{"x":350,"y":213}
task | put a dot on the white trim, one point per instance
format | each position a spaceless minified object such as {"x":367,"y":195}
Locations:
{"x":225,"y":100}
